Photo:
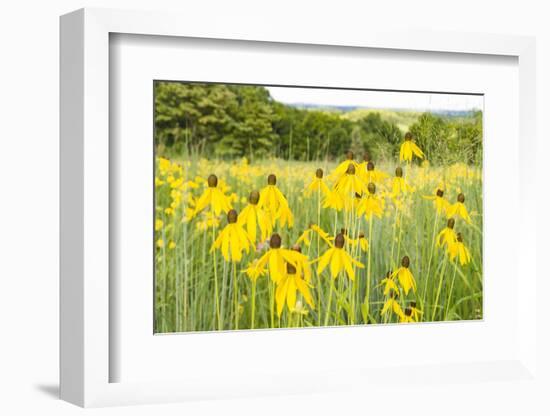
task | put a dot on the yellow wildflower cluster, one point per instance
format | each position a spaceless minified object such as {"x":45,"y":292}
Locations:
{"x":248,"y":227}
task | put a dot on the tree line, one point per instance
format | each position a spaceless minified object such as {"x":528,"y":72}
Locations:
{"x":228,"y":121}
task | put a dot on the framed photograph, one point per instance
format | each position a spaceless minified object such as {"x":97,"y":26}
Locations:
{"x":270,"y":214}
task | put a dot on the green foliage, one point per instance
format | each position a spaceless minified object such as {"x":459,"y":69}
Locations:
{"x":447,"y":140}
{"x":229,"y":121}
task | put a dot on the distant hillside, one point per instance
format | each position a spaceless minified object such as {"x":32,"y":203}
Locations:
{"x":403,"y":118}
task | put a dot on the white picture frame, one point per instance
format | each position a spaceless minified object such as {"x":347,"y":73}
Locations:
{"x":85,"y":352}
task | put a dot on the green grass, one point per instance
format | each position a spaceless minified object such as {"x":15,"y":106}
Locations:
{"x":185,"y":276}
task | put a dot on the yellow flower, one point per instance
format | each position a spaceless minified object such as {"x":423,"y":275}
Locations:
{"x":389,"y":284}
{"x":407,"y":316}
{"x":317,"y":185}
{"x":287,"y":286}
{"x":405,"y":277}
{"x":213,"y":196}
{"x":306,"y":235}
{"x":408,"y":148}
{"x":284,"y":216}
{"x":363,"y":242}
{"x":415,"y":311}
{"x":371,"y":204}
{"x":271,"y":197}
{"x":334,"y":200}
{"x":276,"y":258}
{"x":343,"y":167}
{"x":233,"y":239}
{"x":158,"y":224}
{"x":447,"y":236}
{"x":349,"y":183}
{"x":253,"y":216}
{"x":164,"y":165}
{"x":210,"y":220}
{"x":302,"y":263}
{"x":392,"y":305}
{"x":253,"y":271}
{"x":160,"y":243}
{"x":275,"y":203}
{"x":360,"y":240}
{"x":441,"y":204}
{"x":339,"y":259}
{"x":368,"y":173}
{"x":459,"y":249}
{"x":459,"y":209}
{"x":171,"y":245}
{"x":399,"y":184}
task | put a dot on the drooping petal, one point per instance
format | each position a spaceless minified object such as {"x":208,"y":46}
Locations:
{"x":203,"y":201}
{"x":325,"y":259}
{"x":304,"y":290}
{"x":336,"y":262}
{"x":225,"y":244}
{"x":346,"y":260}
{"x":281,"y":294}
{"x":291,"y":293}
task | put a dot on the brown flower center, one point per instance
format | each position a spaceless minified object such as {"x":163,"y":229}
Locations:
{"x":399,"y":172}
{"x":366,"y":157}
{"x":459,"y":237}
{"x":290,"y":269}
{"x":371,"y":187}
{"x":451,"y":223}
{"x":361,"y":235}
{"x":339,"y":240}
{"x":439,"y":193}
{"x":275,"y":241}
{"x":272,"y":179}
{"x":319,"y":173}
{"x":412,"y":304}
{"x":232,"y":216}
{"x":370,"y":166}
{"x":405,"y":261}
{"x":254,"y":197}
{"x":408,"y":311}
{"x":297,"y":248}
{"x":408,"y":136}
{"x":460,"y":198}
{"x":351,"y":169}
{"x":349,"y":155}
{"x":212,"y":181}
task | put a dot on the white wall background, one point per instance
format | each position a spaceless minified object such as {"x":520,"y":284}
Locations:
{"x":29,"y":203}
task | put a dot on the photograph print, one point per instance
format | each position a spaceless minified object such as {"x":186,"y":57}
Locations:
{"x":294,"y":207}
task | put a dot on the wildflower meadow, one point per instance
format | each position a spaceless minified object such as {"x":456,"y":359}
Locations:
{"x":258,"y":240}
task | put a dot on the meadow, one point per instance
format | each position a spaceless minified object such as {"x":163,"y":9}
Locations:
{"x":275,"y":243}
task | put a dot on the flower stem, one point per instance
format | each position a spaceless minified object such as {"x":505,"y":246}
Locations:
{"x":272,"y":302}
{"x":367,"y":294}
{"x":327,"y":316}
{"x":236,"y":294}
{"x":216,"y":290}
{"x":436,"y":302}
{"x":253,"y":304}
{"x":451,"y":290}
{"x":427,"y":275}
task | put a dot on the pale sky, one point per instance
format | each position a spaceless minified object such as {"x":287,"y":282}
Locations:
{"x":377,"y":99}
